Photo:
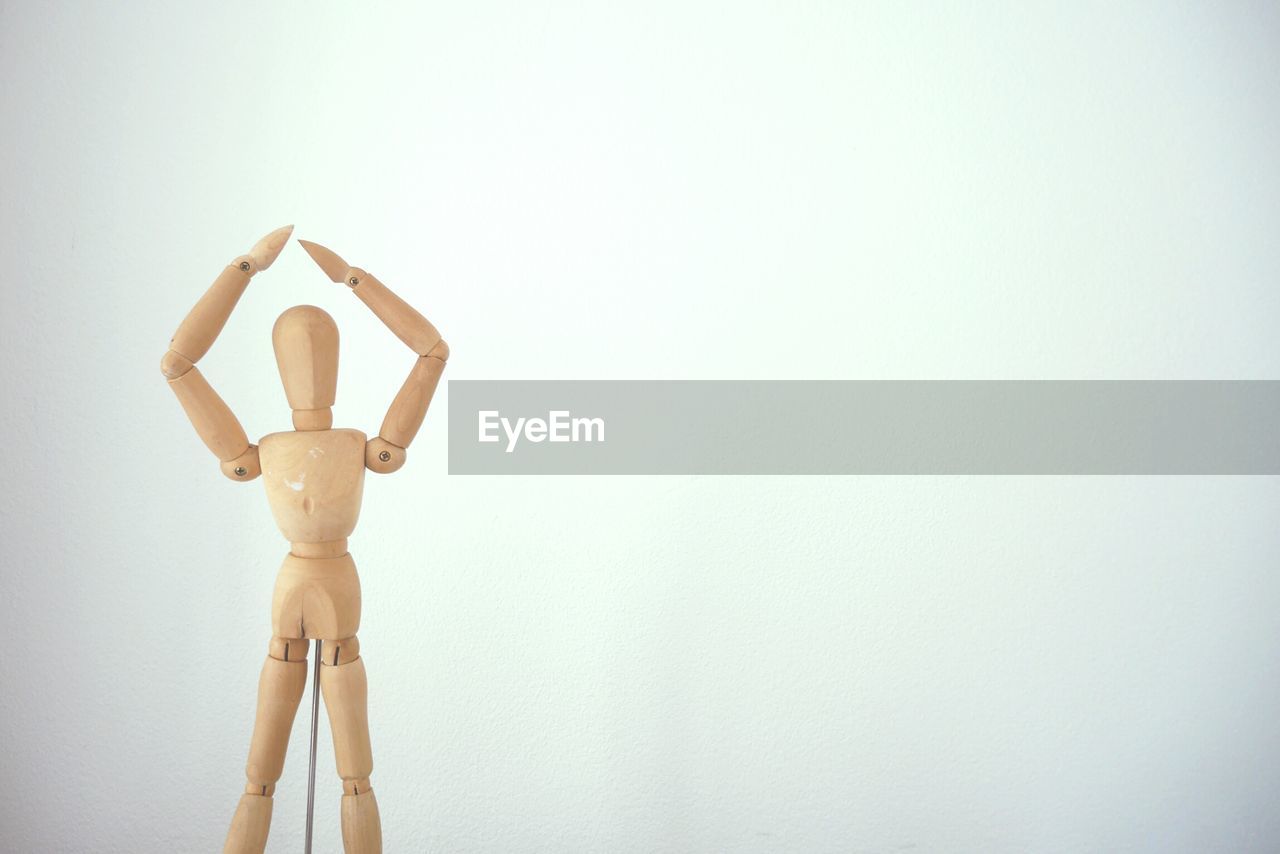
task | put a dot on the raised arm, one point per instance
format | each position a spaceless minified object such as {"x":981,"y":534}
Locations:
{"x":211,"y":417}
{"x":386,"y":453}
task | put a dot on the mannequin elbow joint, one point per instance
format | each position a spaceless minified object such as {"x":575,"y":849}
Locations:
{"x":173,"y":364}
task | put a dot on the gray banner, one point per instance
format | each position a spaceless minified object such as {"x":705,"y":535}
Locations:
{"x":863,"y":427}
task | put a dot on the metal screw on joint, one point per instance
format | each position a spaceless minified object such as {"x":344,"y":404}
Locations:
{"x":384,"y":456}
{"x":241,"y":471}
{"x":354,"y":281}
{"x":244,"y":265}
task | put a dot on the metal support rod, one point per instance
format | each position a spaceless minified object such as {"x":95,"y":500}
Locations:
{"x":315,"y":724}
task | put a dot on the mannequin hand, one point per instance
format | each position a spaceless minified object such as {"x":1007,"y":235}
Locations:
{"x":333,"y":266}
{"x":265,"y":251}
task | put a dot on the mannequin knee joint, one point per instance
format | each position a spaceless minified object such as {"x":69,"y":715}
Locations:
{"x":356,"y":787}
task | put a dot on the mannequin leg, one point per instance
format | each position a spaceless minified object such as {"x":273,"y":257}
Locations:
{"x":284,"y":675}
{"x":342,"y":680}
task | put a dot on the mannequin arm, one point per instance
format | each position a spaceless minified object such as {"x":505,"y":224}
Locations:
{"x":386,"y":453}
{"x":213,"y":420}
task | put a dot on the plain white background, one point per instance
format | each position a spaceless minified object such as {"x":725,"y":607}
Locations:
{"x":666,"y":664}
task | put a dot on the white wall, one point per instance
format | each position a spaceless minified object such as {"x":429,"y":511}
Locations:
{"x":668,"y":664}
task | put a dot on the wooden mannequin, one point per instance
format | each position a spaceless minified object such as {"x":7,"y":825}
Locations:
{"x":314,"y":477}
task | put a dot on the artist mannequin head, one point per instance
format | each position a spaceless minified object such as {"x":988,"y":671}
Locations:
{"x":305,"y":340}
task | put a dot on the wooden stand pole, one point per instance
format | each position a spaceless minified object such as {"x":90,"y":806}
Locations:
{"x":315,"y":728}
